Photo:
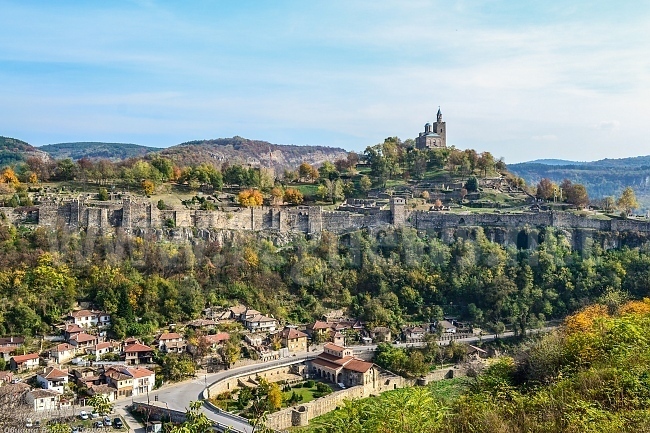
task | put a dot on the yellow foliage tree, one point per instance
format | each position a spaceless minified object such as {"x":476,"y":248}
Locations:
{"x":275,"y":396}
{"x":148,"y":187}
{"x":583,"y":320}
{"x":250,"y":197}
{"x":636,"y":307}
{"x":33,"y":178}
{"x":9,"y":176}
{"x":293,"y":196}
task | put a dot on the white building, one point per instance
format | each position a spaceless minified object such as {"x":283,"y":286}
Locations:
{"x":52,"y":379}
{"x":260,"y":323}
{"x":89,"y":318}
{"x":62,"y":353}
{"x":43,"y":399}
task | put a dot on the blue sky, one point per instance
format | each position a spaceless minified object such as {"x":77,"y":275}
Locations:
{"x":524,"y":80}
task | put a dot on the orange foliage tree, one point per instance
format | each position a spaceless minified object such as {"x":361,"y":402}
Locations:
{"x":250,"y":197}
{"x":293,"y":196}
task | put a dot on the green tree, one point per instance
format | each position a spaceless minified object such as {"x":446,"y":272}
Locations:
{"x":103,"y":194}
{"x":231,"y":350}
{"x":100,"y":404}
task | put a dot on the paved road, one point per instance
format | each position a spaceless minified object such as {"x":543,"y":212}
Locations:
{"x":178,"y":396}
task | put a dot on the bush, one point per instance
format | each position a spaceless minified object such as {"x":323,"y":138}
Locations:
{"x":309,"y":384}
{"x":323,"y":388}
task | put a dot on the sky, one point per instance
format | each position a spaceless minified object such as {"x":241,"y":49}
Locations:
{"x":521,"y":79}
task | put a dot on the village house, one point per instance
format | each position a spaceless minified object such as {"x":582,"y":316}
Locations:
{"x":254,"y":340}
{"x":171,"y":342}
{"x":338,"y":338}
{"x":143,"y":380}
{"x":294,"y":340}
{"x":14,"y":342}
{"x":43,"y":399}
{"x":237,"y":311}
{"x":216,"y":340}
{"x":24,"y":362}
{"x":380,"y":334}
{"x":86,"y":377}
{"x":320,"y":329}
{"x":62,"y":353}
{"x":338,"y":364}
{"x":414,"y":334}
{"x":447,"y":327}
{"x":206,"y":324}
{"x":120,"y":381}
{"x":260,"y":323}
{"x":53,"y":379}
{"x":89,"y":318}
{"x":101,"y":349}
{"x":82,"y":341}
{"x":70,"y":330}
{"x":137,"y":353}
{"x":218,"y":315}
{"x":102,"y":389}
{"x":5,"y":353}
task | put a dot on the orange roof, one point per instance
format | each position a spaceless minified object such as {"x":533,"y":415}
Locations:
{"x":139,"y":372}
{"x":82,"y":313}
{"x":292,"y":334}
{"x":103,"y":345}
{"x":83,"y":337}
{"x":62,"y":347}
{"x":169,"y":336}
{"x":54,"y":373}
{"x":332,"y":346}
{"x":321,"y":325}
{"x":358,"y":365}
{"x":22,"y":358}
{"x":217,"y":338}
{"x":137,"y":347}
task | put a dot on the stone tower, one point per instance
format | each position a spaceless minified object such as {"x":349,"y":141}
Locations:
{"x":434,"y":135}
{"x":398,"y":211}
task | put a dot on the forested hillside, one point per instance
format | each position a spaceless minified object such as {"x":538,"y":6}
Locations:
{"x":608,"y":177}
{"x":392,"y":278}
{"x":96,"y":150}
{"x":13,"y":151}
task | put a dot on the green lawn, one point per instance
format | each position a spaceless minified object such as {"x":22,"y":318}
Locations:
{"x":306,"y":393}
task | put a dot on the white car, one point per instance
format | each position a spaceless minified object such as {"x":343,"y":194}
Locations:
{"x":83,"y":414}
{"x":29,"y":423}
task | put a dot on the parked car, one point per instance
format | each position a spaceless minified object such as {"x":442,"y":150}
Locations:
{"x":77,"y":429}
{"x":117,"y":423}
{"x":83,"y":414}
{"x":94,"y":415}
{"x":107,"y":422}
{"x":29,"y":423}
{"x":98,"y":424}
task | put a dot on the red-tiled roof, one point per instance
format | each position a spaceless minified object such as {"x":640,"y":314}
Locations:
{"x":54,"y":373}
{"x":358,"y":365}
{"x":292,"y":334}
{"x":62,"y":347}
{"x":137,"y":347}
{"x":11,"y":341}
{"x":139,"y":372}
{"x":82,"y":313}
{"x":169,"y":336}
{"x":332,"y":346}
{"x":217,"y":338}
{"x":83,"y":337}
{"x":325,"y":363}
{"x":22,"y":358}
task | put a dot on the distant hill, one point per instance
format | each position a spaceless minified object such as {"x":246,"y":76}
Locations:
{"x":552,"y":162}
{"x":254,"y":152}
{"x":13,"y":151}
{"x":607,"y":177}
{"x":96,"y":150}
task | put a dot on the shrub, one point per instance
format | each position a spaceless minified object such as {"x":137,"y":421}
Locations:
{"x":309,"y":384}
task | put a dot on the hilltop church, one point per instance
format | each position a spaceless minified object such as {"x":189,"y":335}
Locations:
{"x":434,"y":135}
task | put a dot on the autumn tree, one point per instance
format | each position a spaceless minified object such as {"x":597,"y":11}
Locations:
{"x":627,"y":201}
{"x":275,"y":396}
{"x":546,"y":189}
{"x":365,"y":183}
{"x":250,"y":198}
{"x":305,"y":170}
{"x":148,"y":187}
{"x":293,"y":196}
{"x":277,"y":195}
{"x":9,"y":176}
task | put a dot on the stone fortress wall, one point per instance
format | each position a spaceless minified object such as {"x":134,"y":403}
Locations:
{"x":138,"y":215}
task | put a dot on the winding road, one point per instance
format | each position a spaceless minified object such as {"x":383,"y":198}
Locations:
{"x":179,"y":395}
